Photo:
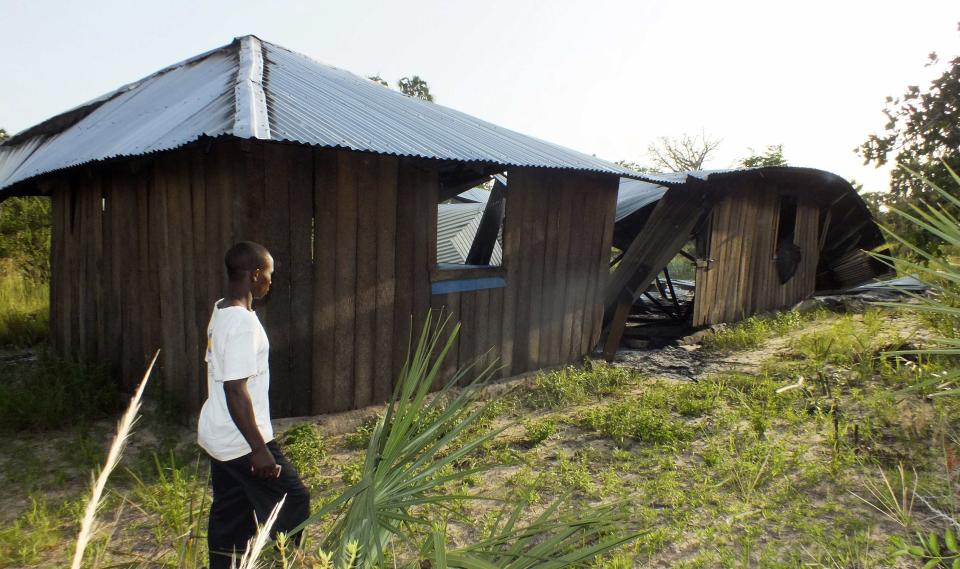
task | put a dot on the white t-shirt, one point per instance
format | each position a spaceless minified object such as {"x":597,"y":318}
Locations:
{"x":237,"y":348}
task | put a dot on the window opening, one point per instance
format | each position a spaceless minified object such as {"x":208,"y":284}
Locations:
{"x":787,"y":253}
{"x":470,"y":227}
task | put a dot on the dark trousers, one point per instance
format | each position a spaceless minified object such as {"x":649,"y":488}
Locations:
{"x":237,"y":496}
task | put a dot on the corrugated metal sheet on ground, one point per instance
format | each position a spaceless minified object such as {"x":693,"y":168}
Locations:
{"x":222,"y":91}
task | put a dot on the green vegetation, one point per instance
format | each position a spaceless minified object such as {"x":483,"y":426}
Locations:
{"x":24,"y":310}
{"x":739,"y":466}
{"x":627,"y":419}
{"x":570,"y":385}
{"x":307,"y":450}
{"x":50,"y":393}
{"x":922,"y":135}
{"x":24,"y":270}
{"x":752,"y":331}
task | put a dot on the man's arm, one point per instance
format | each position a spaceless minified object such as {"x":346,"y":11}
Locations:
{"x":241,"y":411}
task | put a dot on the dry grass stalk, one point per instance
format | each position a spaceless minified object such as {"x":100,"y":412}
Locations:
{"x":88,"y":526}
{"x":898,"y":508}
{"x":256,"y":544}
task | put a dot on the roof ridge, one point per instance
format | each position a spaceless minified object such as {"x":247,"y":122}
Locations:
{"x":251,"y":119}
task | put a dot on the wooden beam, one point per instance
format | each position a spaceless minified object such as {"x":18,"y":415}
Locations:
{"x":665,"y":233}
{"x":486,"y":237}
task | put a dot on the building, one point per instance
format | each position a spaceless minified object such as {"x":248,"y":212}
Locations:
{"x":341,"y":179}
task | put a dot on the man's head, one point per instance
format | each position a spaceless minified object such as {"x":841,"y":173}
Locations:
{"x":250,"y":265}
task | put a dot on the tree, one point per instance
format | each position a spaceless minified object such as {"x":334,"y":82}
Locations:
{"x":3,"y":135}
{"x":682,"y":154}
{"x":922,"y":134}
{"x":410,"y":86}
{"x":772,"y":156}
{"x":415,"y":87}
{"x":635,"y":167}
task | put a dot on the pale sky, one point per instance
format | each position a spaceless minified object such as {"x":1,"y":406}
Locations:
{"x":602,"y":77}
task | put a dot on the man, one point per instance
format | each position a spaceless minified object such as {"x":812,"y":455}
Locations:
{"x":248,"y":472}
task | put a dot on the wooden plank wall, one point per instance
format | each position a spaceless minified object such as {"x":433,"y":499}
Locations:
{"x":557,"y":237}
{"x":741,"y":278}
{"x":137,"y":264}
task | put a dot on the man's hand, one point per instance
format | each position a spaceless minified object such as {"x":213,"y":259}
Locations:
{"x":263,"y":465}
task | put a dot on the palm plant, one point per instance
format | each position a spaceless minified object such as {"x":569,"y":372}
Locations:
{"x":418,"y":448}
{"x":941,"y":273}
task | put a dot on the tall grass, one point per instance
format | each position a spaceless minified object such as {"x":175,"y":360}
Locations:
{"x":88,"y":527}
{"x":24,"y":310}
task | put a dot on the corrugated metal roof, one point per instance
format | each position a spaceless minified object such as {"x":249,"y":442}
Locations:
{"x":161,"y":112}
{"x":456,"y":227}
{"x":635,"y":194}
{"x":256,"y":89}
{"x":475,"y":195}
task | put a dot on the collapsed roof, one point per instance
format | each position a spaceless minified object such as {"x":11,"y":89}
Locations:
{"x":255,"y":89}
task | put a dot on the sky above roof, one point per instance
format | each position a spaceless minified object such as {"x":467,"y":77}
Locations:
{"x":602,"y":77}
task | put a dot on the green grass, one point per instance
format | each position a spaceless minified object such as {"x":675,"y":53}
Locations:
{"x":624,"y":420}
{"x":73,"y":394}
{"x":753,"y":331}
{"x":31,"y":534}
{"x":726,"y":471}
{"x":24,"y":311}
{"x":572,"y":385}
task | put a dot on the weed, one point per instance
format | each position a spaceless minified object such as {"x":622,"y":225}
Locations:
{"x":526,"y":485}
{"x":535,"y":432}
{"x":352,"y":470}
{"x":307,"y":450}
{"x":932,"y":549}
{"x":178,"y":498}
{"x":573,"y":475}
{"x":30,"y":534}
{"x":626,"y":419}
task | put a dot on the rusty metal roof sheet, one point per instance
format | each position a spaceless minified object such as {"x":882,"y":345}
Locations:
{"x":256,"y":89}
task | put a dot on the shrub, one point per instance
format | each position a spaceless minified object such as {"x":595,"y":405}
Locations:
{"x":25,"y":237}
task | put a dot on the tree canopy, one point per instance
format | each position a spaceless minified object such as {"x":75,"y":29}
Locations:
{"x":772,"y":156}
{"x":922,"y":134}
{"x":413,"y":86}
{"x":682,"y":154}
